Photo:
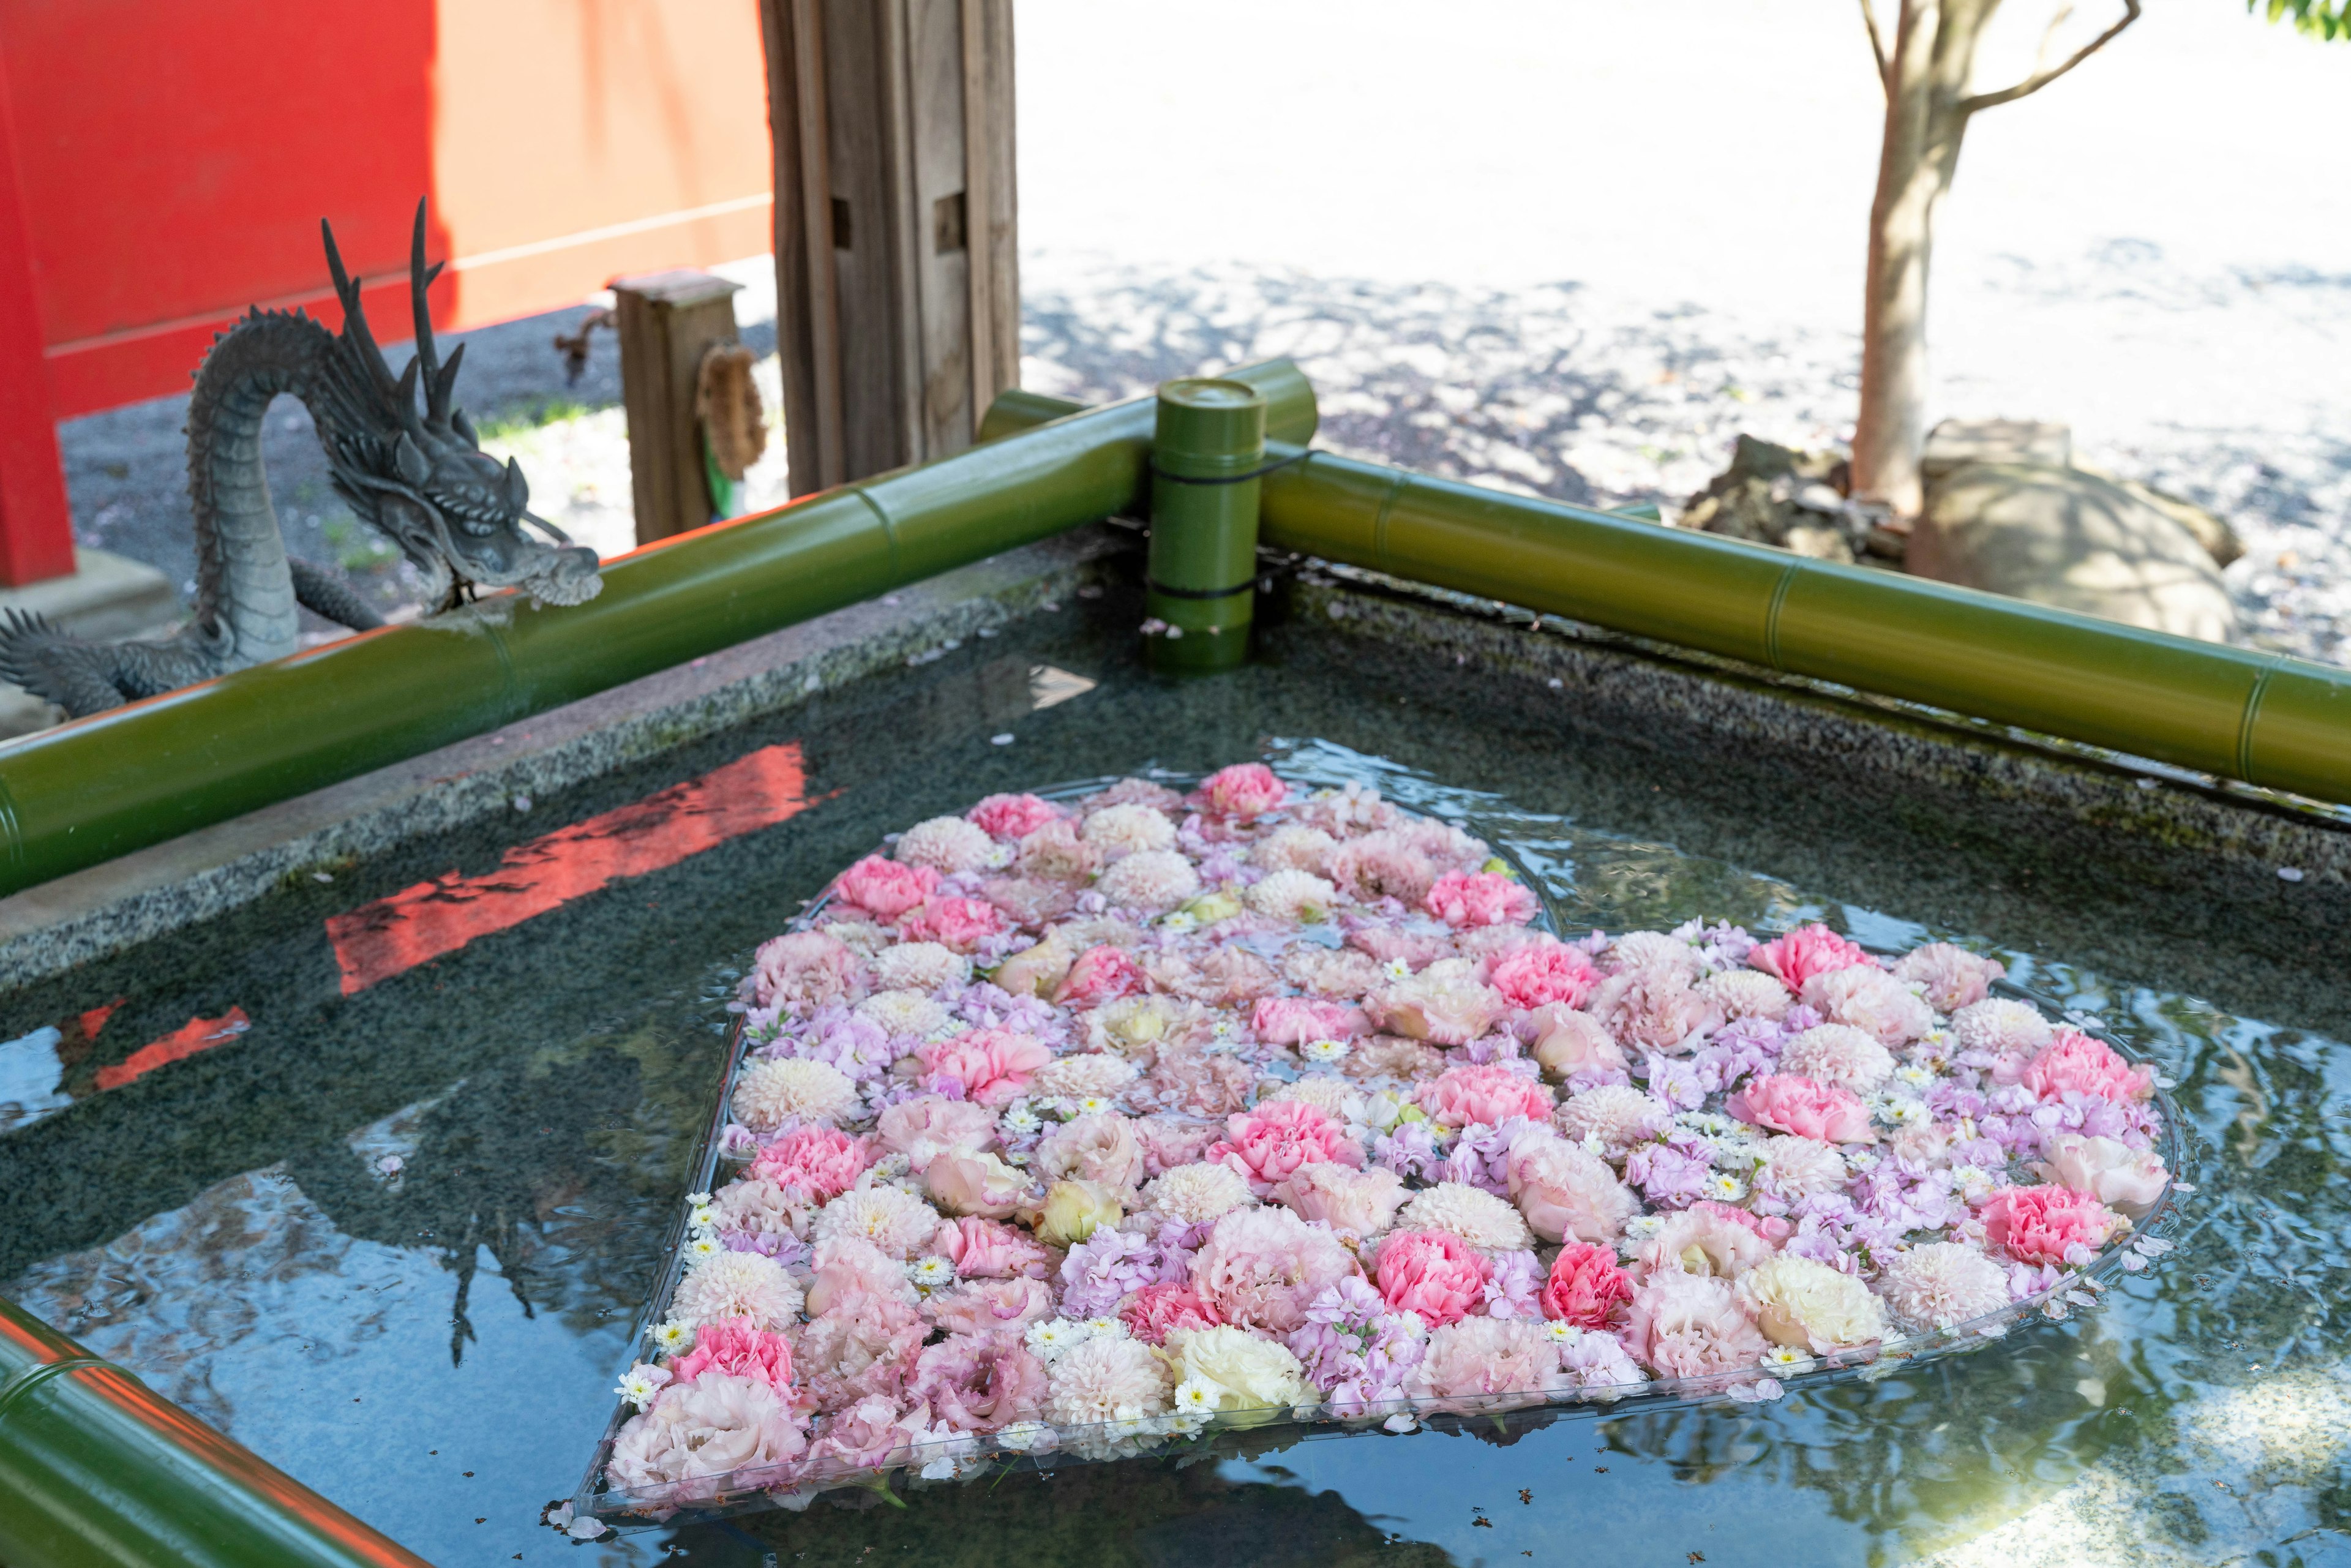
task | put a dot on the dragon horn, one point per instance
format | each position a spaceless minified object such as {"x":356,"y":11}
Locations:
{"x":436,"y":397}
{"x":355,"y":321}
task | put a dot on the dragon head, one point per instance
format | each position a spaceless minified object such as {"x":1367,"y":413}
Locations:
{"x":421,"y":478}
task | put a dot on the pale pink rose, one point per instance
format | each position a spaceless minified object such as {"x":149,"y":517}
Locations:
{"x":988,"y":1249}
{"x":1101,"y":1147}
{"x":1433,"y":1273}
{"x":2076,"y":1063}
{"x":1568,"y":1042}
{"x":1265,"y":1145}
{"x":1787,"y":1103}
{"x":823,"y":1162}
{"x":862,"y":1346}
{"x":1807,"y":951}
{"x":1009,"y":817}
{"x":1057,"y":851}
{"x":1295,"y":1020}
{"x":1692,"y":1325}
{"x":1653,"y":1009}
{"x":805,"y":969}
{"x":1387,"y":944}
{"x":977,"y":1382}
{"x":884,"y":887}
{"x":1474,"y":1365}
{"x":1352,"y":1202}
{"x":849,"y":1269}
{"x":865,"y":1434}
{"x":737,"y":1347}
{"x":1484,"y":1094}
{"x":1035,"y":971}
{"x":982,"y":1185}
{"x":1244,"y":789}
{"x":1261,"y":1267}
{"x":1466,"y":899}
{"x":983,"y":1306}
{"x":2107,"y":1169}
{"x":1953,"y":977}
{"x":1543,"y":972}
{"x":1586,"y":1287}
{"x":1151,"y":1313}
{"x":1100,"y":975}
{"x":1444,"y":1004}
{"x":710,"y":1427}
{"x":1566,"y":1193}
{"x":932,"y":1124}
{"x":2048,"y":1224}
{"x":1381,"y":865}
{"x":1169,"y":1140}
{"x":1701,"y":1241}
{"x":1872,"y":1001}
{"x":993,"y":1065}
{"x":958,"y":924}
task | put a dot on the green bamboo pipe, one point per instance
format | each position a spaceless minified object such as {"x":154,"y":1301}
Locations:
{"x":97,"y":1471}
{"x":2267,"y":719}
{"x":1200,"y":578}
{"x":86,"y":791}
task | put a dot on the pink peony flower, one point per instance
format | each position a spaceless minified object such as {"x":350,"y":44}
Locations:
{"x":977,"y":1382}
{"x":1296,"y":1021}
{"x":1568,"y":1043}
{"x":823,"y":1162}
{"x":984,"y":1306}
{"x":1953,"y":977}
{"x":1444,"y":1004}
{"x":1100,"y":975}
{"x":1432,"y":1273}
{"x":1267,"y":1145}
{"x":1586,"y":1287}
{"x":1651,"y":1007}
{"x":848,"y":1269}
{"x":1244,"y":789}
{"x":2107,"y":1169}
{"x":2074,"y":1063}
{"x":987,"y":1250}
{"x":884,"y":887}
{"x":1351,"y":1202}
{"x":1692,"y":1325}
{"x":959,"y":924}
{"x":739,"y":1348}
{"x":1261,"y":1267}
{"x":1471,"y":1363}
{"x":1542,"y":972}
{"x":710,"y":1427}
{"x":1486,"y":1094}
{"x":805,"y":969}
{"x":866,"y":1434}
{"x":1872,"y":1001}
{"x":861,"y":1346}
{"x":993,"y":1065}
{"x":1006,"y":816}
{"x":929,"y":1125}
{"x":1787,"y":1103}
{"x":1566,"y":1193}
{"x":2048,"y":1224}
{"x":1154,"y":1311}
{"x":1467,"y":899}
{"x":1807,"y":951}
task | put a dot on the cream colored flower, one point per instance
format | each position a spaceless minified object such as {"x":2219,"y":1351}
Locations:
{"x":737,"y":1285}
{"x":1797,"y":1301}
{"x":1198,"y":1194}
{"x":900,"y":1224}
{"x":1477,"y":1217}
{"x":773,"y":1090}
{"x":921,"y":966}
{"x":947,"y":844}
{"x":1126,"y":829}
{"x":1249,"y":1373}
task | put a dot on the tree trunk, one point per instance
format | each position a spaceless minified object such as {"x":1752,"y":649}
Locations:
{"x":1926,"y":80}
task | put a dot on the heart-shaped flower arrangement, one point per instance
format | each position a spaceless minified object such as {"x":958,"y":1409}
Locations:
{"x":1090,"y":1126}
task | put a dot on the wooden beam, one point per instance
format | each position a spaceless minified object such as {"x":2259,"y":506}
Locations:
{"x":666,"y":322}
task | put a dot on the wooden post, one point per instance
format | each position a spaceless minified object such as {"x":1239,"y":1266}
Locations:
{"x":667,"y":321}
{"x":897,"y":273}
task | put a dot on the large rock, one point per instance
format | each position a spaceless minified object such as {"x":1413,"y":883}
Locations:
{"x":2080,"y":541}
{"x":1775,"y":495}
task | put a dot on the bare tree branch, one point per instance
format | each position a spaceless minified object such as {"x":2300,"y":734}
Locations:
{"x":1877,"y":49}
{"x":2040,"y":80}
{"x":2057,"y":18}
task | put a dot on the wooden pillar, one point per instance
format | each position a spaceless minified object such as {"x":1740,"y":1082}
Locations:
{"x":36,"y":519}
{"x":667,"y":321}
{"x":897,"y":272}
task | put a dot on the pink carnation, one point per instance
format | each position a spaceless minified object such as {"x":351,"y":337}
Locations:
{"x":1261,"y":1267}
{"x":1543,"y":972}
{"x":739,"y":1347}
{"x":960,"y":923}
{"x":1244,"y":789}
{"x":1295,"y":1020}
{"x":1487,"y":1095}
{"x":886,"y":887}
{"x":1586,"y":1287}
{"x":805,"y":969}
{"x":1692,"y":1325}
{"x":988,"y":1249}
{"x":823,"y":1162}
{"x":1100,"y":975}
{"x":929,"y":1125}
{"x":1466,"y":899}
{"x":1265,"y":1145}
{"x":992,"y":1064}
{"x":1807,"y":951}
{"x":1654,"y":1008}
{"x":1151,"y":1312}
{"x":1010,"y":815}
{"x":2076,"y":1063}
{"x":2048,"y":1224}
{"x":1787,"y":1103}
{"x":1433,"y":1273}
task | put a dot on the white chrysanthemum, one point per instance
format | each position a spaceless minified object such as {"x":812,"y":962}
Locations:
{"x":1087,"y":1075}
{"x":737,"y":1285}
{"x":1942,"y":1284}
{"x":1796,"y":1168}
{"x":1838,"y":1053}
{"x":1618,"y":1114}
{"x":1292,"y":896}
{"x":1746,"y":994}
{"x":1800,"y":1302}
{"x":1124,"y":829}
{"x":1149,"y":879}
{"x":1105,"y":1379}
{"x":671,"y":1336}
{"x":1334,"y":1097}
{"x":893,"y":1221}
{"x":906,"y":1012}
{"x":1477,"y":1217}
{"x":1198,"y":1194}
{"x":1656,"y":952}
{"x":862,"y":937}
{"x":1323,"y":1052}
{"x":1872,"y":1001}
{"x":773,"y":1090}
{"x":1998,"y":1025}
{"x":921,"y":966}
{"x":932,"y":1271}
{"x":1294,"y":849}
{"x":947,"y":844}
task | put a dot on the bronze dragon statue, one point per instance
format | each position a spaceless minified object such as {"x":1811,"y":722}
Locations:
{"x":421,"y":480}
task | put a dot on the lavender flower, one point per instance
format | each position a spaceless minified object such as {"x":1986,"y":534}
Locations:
{"x":1354,"y":1349}
{"x":1101,"y":1269}
{"x":1666,"y":1175}
{"x":1410,"y":1151}
{"x":1512,"y":1291}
